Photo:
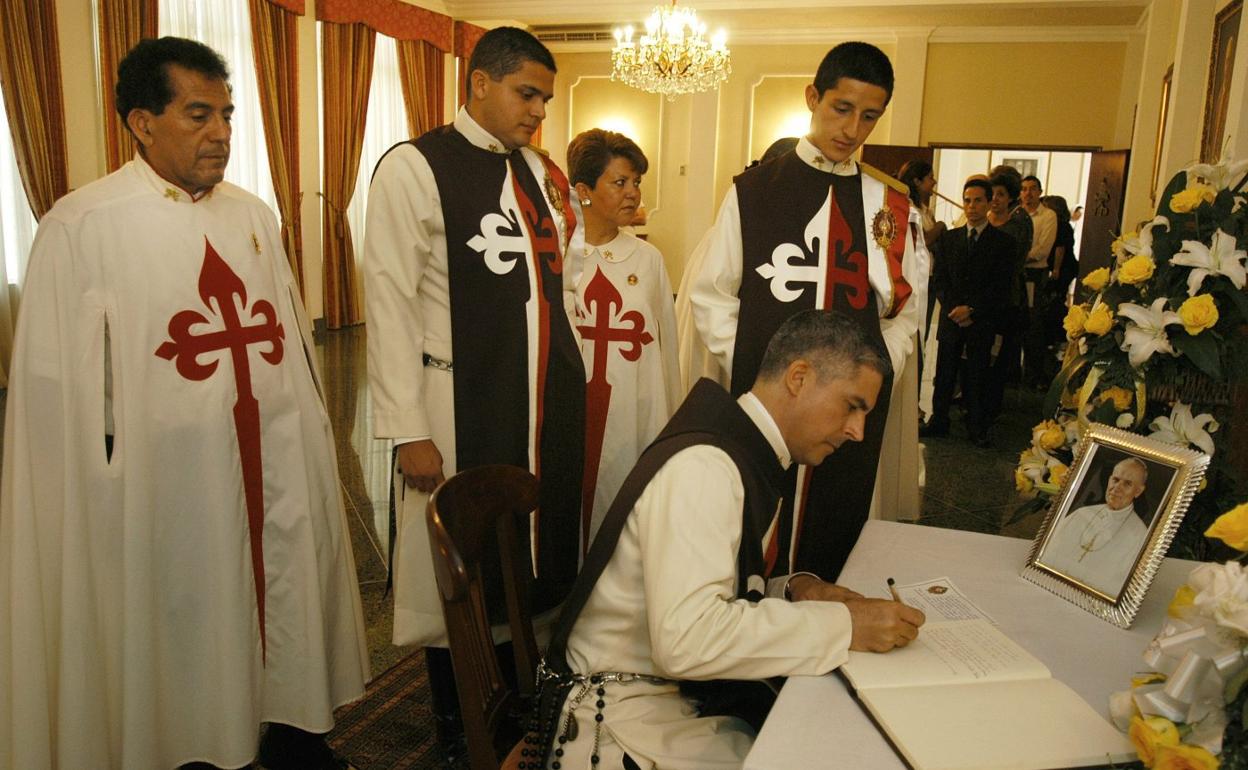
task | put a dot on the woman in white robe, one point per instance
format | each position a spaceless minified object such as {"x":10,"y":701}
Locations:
{"x":627,"y":321}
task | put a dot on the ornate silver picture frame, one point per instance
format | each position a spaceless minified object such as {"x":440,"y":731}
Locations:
{"x":1108,"y":528}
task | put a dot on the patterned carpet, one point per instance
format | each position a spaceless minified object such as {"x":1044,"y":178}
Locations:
{"x":391,"y":727}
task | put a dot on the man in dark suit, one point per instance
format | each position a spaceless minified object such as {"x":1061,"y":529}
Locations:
{"x":972,"y":279}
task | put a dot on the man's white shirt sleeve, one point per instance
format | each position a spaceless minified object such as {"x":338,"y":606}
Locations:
{"x":404,"y":234}
{"x":713,"y":291}
{"x":689,"y":530}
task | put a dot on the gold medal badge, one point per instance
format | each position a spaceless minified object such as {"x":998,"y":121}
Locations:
{"x":552,"y":192}
{"x":556,"y":203}
{"x":884,"y":228}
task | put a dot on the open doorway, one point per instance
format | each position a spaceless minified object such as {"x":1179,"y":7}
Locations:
{"x":1064,"y":173}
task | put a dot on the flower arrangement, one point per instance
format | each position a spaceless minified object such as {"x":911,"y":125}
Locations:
{"x":1170,"y":310}
{"x":1190,"y":712}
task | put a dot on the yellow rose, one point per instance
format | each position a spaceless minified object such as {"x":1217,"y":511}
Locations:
{"x":1232,"y":528}
{"x":1198,"y":313}
{"x":1186,"y":200}
{"x":1119,"y":246}
{"x":1057,"y":474}
{"x":1183,"y":599}
{"x":1048,"y":435}
{"x":1099,"y":321}
{"x":1137,"y":270}
{"x":1076,"y":317}
{"x":1184,"y":757}
{"x":1120,"y":396}
{"x":1096,"y":279}
{"x":1148,"y":734}
{"x":1022,"y":482}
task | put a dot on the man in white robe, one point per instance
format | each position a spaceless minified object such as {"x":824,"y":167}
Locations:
{"x":677,"y":585}
{"x":175,"y":565}
{"x":815,"y":228}
{"x":1099,"y":544}
{"x":470,"y":272}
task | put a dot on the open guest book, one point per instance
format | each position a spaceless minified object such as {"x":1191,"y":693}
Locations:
{"x":964,"y":696}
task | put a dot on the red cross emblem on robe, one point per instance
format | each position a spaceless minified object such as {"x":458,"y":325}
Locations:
{"x":223,"y":294}
{"x":605,"y":305}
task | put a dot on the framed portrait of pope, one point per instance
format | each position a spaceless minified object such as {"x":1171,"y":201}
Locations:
{"x":1108,"y":528}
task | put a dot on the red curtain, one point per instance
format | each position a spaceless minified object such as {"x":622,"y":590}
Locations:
{"x":122,"y":23}
{"x":466,"y":37}
{"x":421,"y":68}
{"x":347,"y":58}
{"x":275,"y":47}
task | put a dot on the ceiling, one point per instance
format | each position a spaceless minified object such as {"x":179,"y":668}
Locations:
{"x":803,"y":19}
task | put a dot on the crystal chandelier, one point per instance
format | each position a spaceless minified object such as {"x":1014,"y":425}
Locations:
{"x":673,"y":57}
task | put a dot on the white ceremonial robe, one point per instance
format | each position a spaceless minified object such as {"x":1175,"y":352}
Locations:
{"x":709,"y":290}
{"x":643,"y":377}
{"x":129,"y":631}
{"x":407,"y":304}
{"x":1097,"y":546}
{"x":696,"y":361}
{"x":666,"y":606}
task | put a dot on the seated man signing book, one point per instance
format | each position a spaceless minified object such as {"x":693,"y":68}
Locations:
{"x":677,"y":588}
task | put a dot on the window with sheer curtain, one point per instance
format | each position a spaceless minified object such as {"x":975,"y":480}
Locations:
{"x":384,"y":127}
{"x":17,"y":221}
{"x":224,"y":26}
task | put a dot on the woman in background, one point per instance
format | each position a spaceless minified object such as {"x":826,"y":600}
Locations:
{"x":1063,"y":270}
{"x":918,"y":176}
{"x":1063,"y":264}
{"x":626,"y":320}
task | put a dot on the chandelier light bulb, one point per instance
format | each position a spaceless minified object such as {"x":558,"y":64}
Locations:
{"x":674,"y":56}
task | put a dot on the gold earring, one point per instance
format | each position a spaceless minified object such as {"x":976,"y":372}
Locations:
{"x":586,"y":202}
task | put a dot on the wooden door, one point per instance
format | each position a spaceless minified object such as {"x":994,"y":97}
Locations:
{"x":889,"y":158}
{"x":1102,"y":211}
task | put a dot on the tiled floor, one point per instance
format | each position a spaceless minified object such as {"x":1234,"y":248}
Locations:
{"x":967,"y":488}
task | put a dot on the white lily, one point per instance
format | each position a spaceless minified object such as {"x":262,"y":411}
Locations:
{"x":1146,"y":334}
{"x":1220,"y":175}
{"x":1134,"y":244}
{"x":1034,"y":463}
{"x":1185,"y":430}
{"x":1220,"y":257}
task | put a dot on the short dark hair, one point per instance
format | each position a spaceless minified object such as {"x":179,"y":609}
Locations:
{"x":1031,"y":178}
{"x":858,"y":61}
{"x":143,"y":76}
{"x":835,"y":346}
{"x":504,"y":50}
{"x":591,"y":151}
{"x":911,"y":173}
{"x":775,"y":150}
{"x":779,"y":147}
{"x":1058,"y":204}
{"x":1004,"y":169}
{"x":981,"y":184}
{"x":1009,"y":181}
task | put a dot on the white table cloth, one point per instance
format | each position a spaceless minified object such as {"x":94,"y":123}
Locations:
{"x":817,"y":723}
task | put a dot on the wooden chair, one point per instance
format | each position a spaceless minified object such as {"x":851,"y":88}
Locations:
{"x":476,"y":520}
